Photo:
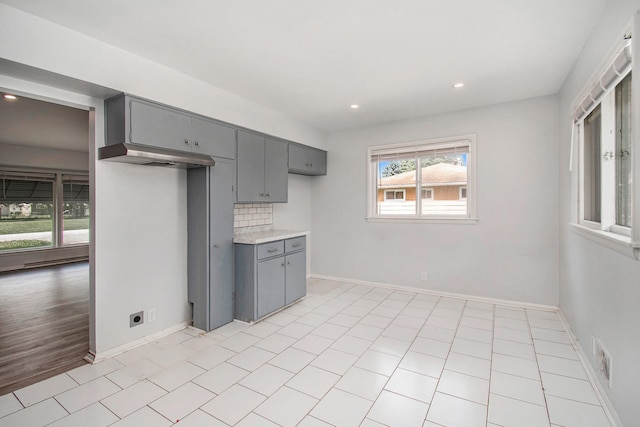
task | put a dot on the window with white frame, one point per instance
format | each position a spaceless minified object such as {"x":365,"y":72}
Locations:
{"x":605,"y":152}
{"x":40,"y":210}
{"x":424,"y":180}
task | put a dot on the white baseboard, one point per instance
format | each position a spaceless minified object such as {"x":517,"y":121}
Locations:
{"x":439,"y":293}
{"x":107,"y":354}
{"x":601,"y":393}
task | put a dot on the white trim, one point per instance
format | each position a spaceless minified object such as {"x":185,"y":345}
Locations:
{"x":460,"y":193}
{"x":104,"y":355}
{"x":425,"y":189}
{"x":600,"y":392}
{"x":613,"y":241}
{"x":395,"y":190}
{"x":423,"y":219}
{"x":439,"y":293}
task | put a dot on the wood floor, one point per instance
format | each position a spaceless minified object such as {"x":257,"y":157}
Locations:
{"x":44,"y":323}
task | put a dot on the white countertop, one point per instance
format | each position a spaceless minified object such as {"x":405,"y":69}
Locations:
{"x":257,"y":237}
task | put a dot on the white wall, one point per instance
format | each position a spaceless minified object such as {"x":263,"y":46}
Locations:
{"x":511,"y":253}
{"x":296,"y":214}
{"x":599,"y":288}
{"x":140,"y":224}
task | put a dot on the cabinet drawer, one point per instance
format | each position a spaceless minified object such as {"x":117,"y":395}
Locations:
{"x":295,"y":244}
{"x":271,"y":249}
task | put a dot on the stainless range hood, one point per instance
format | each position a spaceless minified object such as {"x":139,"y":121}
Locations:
{"x":153,"y":156}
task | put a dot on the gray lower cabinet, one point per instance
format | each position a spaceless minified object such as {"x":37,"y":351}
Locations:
{"x":210,"y":199}
{"x":269,"y":276}
{"x":262,"y":169}
{"x":138,"y":121}
{"x":304,"y":160}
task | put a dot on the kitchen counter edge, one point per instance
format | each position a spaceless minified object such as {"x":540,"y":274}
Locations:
{"x":257,"y":237}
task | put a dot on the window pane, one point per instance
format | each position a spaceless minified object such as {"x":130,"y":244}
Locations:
{"x":623,"y":152}
{"x":592,"y":174}
{"x":75,"y":212}
{"x":446,"y":175}
{"x":394,"y":176}
{"x":26,"y":214}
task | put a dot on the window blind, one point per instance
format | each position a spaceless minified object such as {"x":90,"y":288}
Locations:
{"x":400,"y":153}
{"x":607,"y":81}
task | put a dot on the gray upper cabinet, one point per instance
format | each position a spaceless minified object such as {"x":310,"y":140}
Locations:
{"x":213,"y":139}
{"x":261,"y":168}
{"x":304,"y":160}
{"x":129,"y":119}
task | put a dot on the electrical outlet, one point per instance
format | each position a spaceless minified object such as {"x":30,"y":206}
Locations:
{"x":604,"y":363}
{"x":151,"y":315}
{"x":423,"y":275}
{"x":136,"y":319}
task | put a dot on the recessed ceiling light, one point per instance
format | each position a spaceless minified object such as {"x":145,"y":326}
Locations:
{"x":458,"y":85}
{"x":354,"y":106}
{"x":10,"y":97}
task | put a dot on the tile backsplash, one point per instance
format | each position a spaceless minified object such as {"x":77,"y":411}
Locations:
{"x":252,"y":214}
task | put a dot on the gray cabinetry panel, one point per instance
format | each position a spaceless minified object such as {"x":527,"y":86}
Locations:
{"x":271,"y":282}
{"x":305,"y":160}
{"x":271,"y":249}
{"x":296,"y":277}
{"x":295,"y":244}
{"x":275,"y":170}
{"x":250,"y":164}
{"x":212,"y":138}
{"x":154,"y":125}
{"x":130,"y":119}
{"x":267,"y":281}
{"x":210,"y":199}
{"x":262,"y":169}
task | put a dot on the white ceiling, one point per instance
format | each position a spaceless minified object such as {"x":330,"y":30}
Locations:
{"x":311,"y":59}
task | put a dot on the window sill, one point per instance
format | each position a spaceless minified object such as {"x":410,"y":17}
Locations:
{"x":414,"y":220}
{"x":613,"y":241}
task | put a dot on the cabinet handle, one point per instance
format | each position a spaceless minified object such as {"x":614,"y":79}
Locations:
{"x":216,"y":245}
{"x":282,"y":264}
{"x":296,"y":245}
{"x":196,"y":143}
{"x":267,"y":195}
{"x":288,"y":262}
{"x":186,"y":141}
{"x":273,"y":250}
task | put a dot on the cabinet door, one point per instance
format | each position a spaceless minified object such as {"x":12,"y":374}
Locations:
{"x":221,"y":244}
{"x":307,"y":160}
{"x":154,"y":125}
{"x":296,"y":277}
{"x":250,"y":167}
{"x":276,"y":171}
{"x":271,"y":276}
{"x":213,"y":139}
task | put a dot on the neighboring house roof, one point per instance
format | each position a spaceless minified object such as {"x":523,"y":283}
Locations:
{"x":438,"y":174}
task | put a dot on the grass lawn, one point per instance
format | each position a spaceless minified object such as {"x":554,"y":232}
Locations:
{"x":21,"y":244}
{"x":15,"y":226}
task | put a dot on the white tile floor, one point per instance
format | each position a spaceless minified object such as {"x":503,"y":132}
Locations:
{"x":346,"y":355}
